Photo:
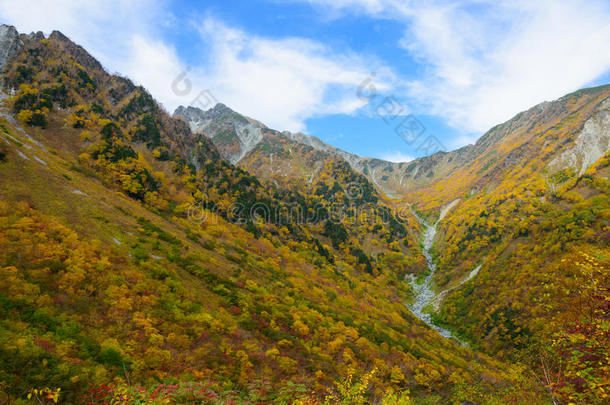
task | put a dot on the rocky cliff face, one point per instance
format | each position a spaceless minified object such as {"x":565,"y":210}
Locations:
{"x":10,"y":43}
{"x":233,"y":134}
{"x":592,"y":143}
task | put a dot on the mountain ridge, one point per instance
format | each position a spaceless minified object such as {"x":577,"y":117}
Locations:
{"x":383,"y":174}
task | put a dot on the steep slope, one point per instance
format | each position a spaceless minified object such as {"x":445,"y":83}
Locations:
{"x":541,"y":133}
{"x":125,"y":265}
{"x":532,"y":217}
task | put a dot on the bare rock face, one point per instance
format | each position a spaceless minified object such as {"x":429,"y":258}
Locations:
{"x":10,"y":43}
{"x":198,"y":119}
{"x":233,"y":134}
{"x":592,"y":143}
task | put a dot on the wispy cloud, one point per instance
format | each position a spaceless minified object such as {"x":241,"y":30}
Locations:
{"x":395,"y":156}
{"x":281,"y":82}
{"x":487,"y":60}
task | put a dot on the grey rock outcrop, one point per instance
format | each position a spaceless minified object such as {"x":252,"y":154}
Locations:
{"x":222,"y":120}
{"x":592,"y":142}
{"x":10,"y":43}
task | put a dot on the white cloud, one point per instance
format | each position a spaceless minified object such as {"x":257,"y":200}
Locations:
{"x":395,"y":156}
{"x":281,"y":82}
{"x":487,"y":60}
{"x":104,"y":27}
{"x":461,"y":140}
{"x":373,"y":7}
{"x":154,"y":64}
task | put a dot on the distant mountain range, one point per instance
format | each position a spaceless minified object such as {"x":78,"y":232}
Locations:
{"x":271,"y":154}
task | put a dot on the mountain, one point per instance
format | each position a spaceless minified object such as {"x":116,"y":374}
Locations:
{"x":132,"y":253}
{"x":205,"y":258}
{"x":531,"y":218}
{"x":234,"y":134}
{"x":270,"y":154}
{"x":280,"y":156}
{"x":523,"y":253}
{"x":229,"y":132}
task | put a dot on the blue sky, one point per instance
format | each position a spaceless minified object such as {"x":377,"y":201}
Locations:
{"x":459,"y":66}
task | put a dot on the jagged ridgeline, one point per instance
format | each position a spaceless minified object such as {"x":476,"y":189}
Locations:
{"x":206,"y":258}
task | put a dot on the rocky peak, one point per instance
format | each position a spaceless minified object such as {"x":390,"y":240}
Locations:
{"x":78,"y":52}
{"x":194,"y":114}
{"x":58,"y":36}
{"x":10,"y":43}
{"x":237,"y":134}
{"x":186,"y":113}
{"x":219,"y":109}
{"x":35,"y":36}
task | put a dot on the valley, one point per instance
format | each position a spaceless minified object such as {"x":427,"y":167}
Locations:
{"x":203,"y":257}
{"x":424,"y":293}
{"x":425,"y":297}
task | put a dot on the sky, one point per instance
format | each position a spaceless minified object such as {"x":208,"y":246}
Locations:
{"x":374,"y":77}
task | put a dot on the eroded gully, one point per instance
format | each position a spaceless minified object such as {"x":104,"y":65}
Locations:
{"x":424,"y":295}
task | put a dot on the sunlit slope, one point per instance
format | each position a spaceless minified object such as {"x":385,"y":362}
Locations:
{"x":533,"y":211}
